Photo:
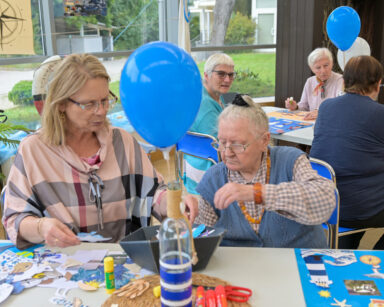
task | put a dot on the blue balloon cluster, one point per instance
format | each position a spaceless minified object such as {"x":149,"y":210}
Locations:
{"x":160,"y":90}
{"x":343,"y":27}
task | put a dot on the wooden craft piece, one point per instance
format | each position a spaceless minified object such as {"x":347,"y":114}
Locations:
{"x":46,"y":281}
{"x":133,"y":289}
{"x":77,"y":302}
{"x":21,"y":267}
{"x":86,"y":287}
{"x":68,"y":276}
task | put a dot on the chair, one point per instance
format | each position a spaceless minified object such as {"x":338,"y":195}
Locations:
{"x":196,"y":145}
{"x":332,"y":225}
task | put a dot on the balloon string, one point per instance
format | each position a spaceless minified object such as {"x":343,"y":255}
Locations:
{"x":343,"y":59}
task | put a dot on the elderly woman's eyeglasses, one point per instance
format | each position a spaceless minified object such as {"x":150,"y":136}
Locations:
{"x":94,"y":106}
{"x":223,"y":74}
{"x":236,"y":148}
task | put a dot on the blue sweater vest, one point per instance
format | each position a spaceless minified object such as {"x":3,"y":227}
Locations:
{"x":275,"y":230}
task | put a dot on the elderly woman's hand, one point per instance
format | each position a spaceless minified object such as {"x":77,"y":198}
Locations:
{"x":291,"y":104}
{"x":55,"y":233}
{"x":311,"y":115}
{"x":231,"y":192}
{"x":191,"y":207}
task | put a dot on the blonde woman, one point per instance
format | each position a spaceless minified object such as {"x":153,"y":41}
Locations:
{"x":77,"y":173}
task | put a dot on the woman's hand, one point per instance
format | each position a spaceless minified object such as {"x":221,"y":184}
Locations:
{"x":55,"y":233}
{"x":311,"y":115}
{"x":291,"y":104}
{"x":191,"y":207}
{"x":231,"y":192}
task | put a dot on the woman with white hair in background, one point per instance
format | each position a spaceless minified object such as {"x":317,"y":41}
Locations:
{"x":324,"y":84}
{"x":218,"y":77}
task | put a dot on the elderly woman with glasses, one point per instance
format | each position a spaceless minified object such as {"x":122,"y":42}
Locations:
{"x":263,"y":196}
{"x":324,"y":84}
{"x":218,"y":77}
{"x":77,"y":173}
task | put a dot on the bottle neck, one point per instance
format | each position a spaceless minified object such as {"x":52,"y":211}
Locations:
{"x":173,"y":203}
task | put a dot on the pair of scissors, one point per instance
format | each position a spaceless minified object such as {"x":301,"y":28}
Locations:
{"x":237,"y":294}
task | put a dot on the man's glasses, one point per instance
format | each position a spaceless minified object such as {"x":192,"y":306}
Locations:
{"x":94,"y":106}
{"x":223,"y":74}
{"x":236,"y":148}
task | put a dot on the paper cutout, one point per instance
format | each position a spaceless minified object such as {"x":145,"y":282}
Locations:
{"x":17,"y":287}
{"x":21,"y":267}
{"x":324,"y":293}
{"x":369,"y":259}
{"x":91,"y":237}
{"x":316,"y":269}
{"x":86,"y":286}
{"x":5,"y":291}
{"x":30,"y":283}
{"x":362,"y":287}
{"x":340,"y":304}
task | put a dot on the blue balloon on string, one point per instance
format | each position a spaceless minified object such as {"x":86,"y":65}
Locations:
{"x":160,"y":90}
{"x":343,"y":27}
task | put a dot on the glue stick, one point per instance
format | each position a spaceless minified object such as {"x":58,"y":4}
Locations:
{"x":109,"y":275}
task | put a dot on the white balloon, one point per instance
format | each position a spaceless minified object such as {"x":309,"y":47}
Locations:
{"x":359,"y":47}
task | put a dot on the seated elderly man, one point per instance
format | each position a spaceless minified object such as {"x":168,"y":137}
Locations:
{"x":218,"y":77}
{"x":263,"y":196}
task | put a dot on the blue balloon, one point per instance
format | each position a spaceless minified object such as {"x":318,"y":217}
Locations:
{"x":160,"y":90}
{"x":343,"y":27}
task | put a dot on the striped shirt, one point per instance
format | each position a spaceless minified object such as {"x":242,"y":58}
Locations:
{"x":54,"y":181}
{"x":305,"y":199}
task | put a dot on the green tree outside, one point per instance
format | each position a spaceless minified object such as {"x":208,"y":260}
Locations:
{"x":241,"y":30}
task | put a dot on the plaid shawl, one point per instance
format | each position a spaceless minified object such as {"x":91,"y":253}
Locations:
{"x":53,"y":181}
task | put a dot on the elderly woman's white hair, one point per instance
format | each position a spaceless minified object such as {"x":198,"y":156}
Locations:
{"x":217,"y":59}
{"x":253,"y":112}
{"x":317,"y":54}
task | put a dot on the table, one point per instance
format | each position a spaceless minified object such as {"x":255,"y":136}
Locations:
{"x":271,"y":273}
{"x":300,"y":136}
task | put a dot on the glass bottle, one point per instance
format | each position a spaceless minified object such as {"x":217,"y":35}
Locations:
{"x":175,"y":253}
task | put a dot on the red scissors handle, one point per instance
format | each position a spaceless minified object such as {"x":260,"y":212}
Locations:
{"x":237,"y":294}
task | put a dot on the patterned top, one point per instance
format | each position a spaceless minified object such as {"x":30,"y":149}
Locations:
{"x":293,"y":200}
{"x":54,"y":181}
{"x":311,"y":99}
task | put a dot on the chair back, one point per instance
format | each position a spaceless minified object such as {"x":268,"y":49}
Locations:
{"x":326,"y":171}
{"x":196,"y":145}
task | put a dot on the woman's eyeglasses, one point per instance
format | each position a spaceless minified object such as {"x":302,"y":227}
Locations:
{"x":94,"y":106}
{"x":223,"y":74}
